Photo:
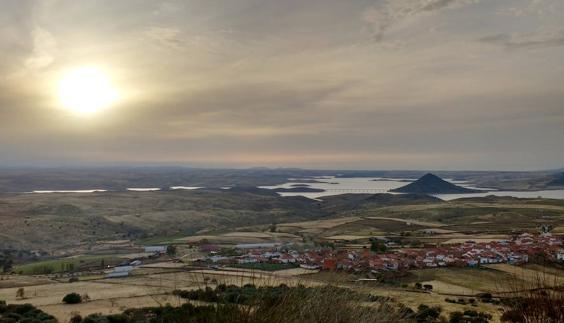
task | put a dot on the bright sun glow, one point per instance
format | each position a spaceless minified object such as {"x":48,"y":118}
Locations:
{"x":86,"y":90}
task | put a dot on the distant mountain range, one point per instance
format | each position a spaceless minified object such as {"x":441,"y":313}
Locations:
{"x":432,"y":184}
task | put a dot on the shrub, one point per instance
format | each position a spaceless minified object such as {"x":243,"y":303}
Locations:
{"x":171,"y":250}
{"x":20,"y":293}
{"x":72,"y":298}
{"x":427,"y":314}
{"x":469,"y":316}
{"x":76,"y":318}
{"x":485,"y":297}
{"x":279,"y":304}
{"x":23,"y":313}
{"x":96,"y":318}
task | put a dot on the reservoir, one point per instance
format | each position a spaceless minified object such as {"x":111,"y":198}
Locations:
{"x":371,"y":185}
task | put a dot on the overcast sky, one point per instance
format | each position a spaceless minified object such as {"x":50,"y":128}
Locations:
{"x":370,"y":84}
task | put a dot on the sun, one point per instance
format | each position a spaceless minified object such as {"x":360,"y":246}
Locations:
{"x":86,"y":90}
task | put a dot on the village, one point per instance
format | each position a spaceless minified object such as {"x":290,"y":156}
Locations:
{"x":516,"y":251}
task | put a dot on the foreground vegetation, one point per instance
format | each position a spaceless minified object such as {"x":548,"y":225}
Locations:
{"x":268,"y":304}
{"x":23,"y":313}
{"x":286,"y":304}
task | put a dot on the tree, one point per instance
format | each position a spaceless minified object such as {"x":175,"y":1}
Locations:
{"x":378,"y":246}
{"x":6,"y":262}
{"x":171,"y":250}
{"x":72,"y":298}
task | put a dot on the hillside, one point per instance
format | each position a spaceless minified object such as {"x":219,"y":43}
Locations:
{"x":68,"y":220}
{"x":557,"y":181}
{"x":73,"y":222}
{"x":432,"y":184}
{"x":348,"y":202}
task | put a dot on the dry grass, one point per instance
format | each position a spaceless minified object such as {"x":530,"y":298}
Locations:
{"x":529,"y":275}
{"x":536,"y":298}
{"x":327,"y":305}
{"x":447,"y":288}
{"x":295,"y":272}
{"x":108,"y":306}
{"x":414,"y":299}
{"x":12,"y":281}
{"x":470,"y":279}
{"x":477,"y":240}
{"x":421,"y":223}
{"x":241,"y":237}
{"x":348,"y":237}
{"x":319,"y":224}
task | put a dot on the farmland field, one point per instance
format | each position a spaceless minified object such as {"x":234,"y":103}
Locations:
{"x":532,"y":274}
{"x":152,"y":285}
{"x":216,"y":220}
{"x":67,"y":264}
{"x":115,"y":295}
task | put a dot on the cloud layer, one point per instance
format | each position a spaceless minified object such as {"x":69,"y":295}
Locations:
{"x":452,"y":84}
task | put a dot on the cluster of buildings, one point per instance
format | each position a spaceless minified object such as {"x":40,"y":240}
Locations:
{"x":125,"y":268}
{"x":468,"y":254}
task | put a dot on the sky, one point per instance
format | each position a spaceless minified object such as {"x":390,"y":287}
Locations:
{"x":355,"y":84}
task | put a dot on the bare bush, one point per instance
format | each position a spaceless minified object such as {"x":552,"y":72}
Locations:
{"x":538,"y":299}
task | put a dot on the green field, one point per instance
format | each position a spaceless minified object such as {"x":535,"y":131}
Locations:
{"x":66,"y":265}
{"x":161,"y":240}
{"x":265,"y":267}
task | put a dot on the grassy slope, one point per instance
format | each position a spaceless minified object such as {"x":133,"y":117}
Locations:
{"x":59,"y":220}
{"x":49,"y":221}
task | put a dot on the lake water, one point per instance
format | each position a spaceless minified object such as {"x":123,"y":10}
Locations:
{"x":357,"y":185}
{"x":70,"y":191}
{"x":371,"y":185}
{"x":131,"y":189}
{"x":335,"y":186}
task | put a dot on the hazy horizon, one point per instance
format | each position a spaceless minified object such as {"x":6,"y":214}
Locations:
{"x":318,"y":84}
{"x":62,"y":166}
